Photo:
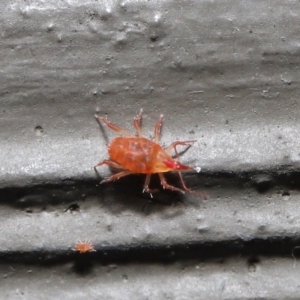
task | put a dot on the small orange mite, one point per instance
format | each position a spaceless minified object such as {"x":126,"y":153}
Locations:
{"x":84,"y":246}
{"x":140,"y":155}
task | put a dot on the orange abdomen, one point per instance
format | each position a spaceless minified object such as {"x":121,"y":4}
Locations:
{"x":138,"y":155}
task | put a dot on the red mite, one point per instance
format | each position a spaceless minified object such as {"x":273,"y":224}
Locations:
{"x":140,"y":155}
{"x":83,"y":247}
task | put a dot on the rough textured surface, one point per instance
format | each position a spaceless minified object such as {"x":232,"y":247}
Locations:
{"x":225,"y":74}
{"x":232,"y":279}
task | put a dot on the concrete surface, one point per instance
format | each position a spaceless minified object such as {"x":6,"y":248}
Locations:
{"x":232,"y":279}
{"x":223,"y":73}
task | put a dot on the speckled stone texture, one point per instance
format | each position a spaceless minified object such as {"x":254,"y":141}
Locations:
{"x":224,"y":73}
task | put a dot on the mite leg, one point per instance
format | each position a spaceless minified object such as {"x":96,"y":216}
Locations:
{"x":109,"y":163}
{"x":168,"y":186}
{"x":114,"y":165}
{"x":157,"y":129}
{"x":173,"y":188}
{"x":137,"y":123}
{"x":116,"y":176}
{"x":189,"y":190}
{"x":146,"y":186}
{"x":182,"y":143}
{"x":183,"y":183}
{"x":114,"y":127}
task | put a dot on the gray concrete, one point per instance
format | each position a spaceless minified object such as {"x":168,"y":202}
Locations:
{"x":223,"y":73}
{"x":234,"y":279}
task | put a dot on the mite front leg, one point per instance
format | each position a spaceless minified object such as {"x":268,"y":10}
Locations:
{"x":182,"y":143}
{"x":168,"y":186}
{"x":114,"y":127}
{"x":205,"y":196}
{"x":157,"y":129}
{"x":137,"y":123}
{"x":146,"y":186}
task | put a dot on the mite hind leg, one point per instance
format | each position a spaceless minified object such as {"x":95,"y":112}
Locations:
{"x":114,"y":127}
{"x":109,"y":163}
{"x":113,"y":165}
{"x":137,"y":123}
{"x":116,"y":176}
{"x":157,"y":128}
{"x":181,"y":143}
{"x":146,"y":188}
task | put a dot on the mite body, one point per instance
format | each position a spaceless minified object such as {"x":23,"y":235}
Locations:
{"x":84,"y":247}
{"x":140,"y":155}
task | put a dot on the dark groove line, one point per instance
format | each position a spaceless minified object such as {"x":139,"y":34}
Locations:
{"x":275,"y":247}
{"x":68,"y":190}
